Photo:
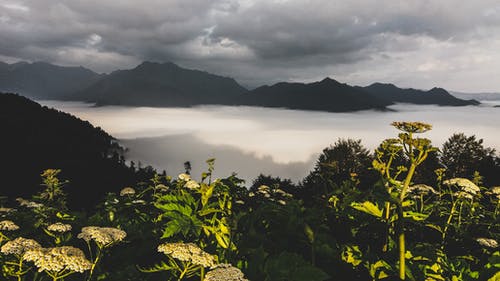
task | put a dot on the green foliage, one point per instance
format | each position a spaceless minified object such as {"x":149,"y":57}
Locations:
{"x":408,"y":223}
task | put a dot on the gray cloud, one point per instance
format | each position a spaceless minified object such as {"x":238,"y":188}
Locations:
{"x":259,"y":41}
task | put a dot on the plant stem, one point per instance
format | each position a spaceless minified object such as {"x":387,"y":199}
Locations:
{"x":401,"y":237}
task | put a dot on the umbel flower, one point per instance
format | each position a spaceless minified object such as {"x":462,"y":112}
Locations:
{"x":127,"y":191}
{"x":421,"y":189}
{"x":8,"y":225}
{"x":103,"y":236}
{"x":58,"y":259}
{"x":412,"y":127}
{"x":19,"y":246}
{"x":188,"y":252}
{"x":464,"y":186}
{"x":225,"y":272}
{"x":59,"y":227}
{"x":184,"y":177}
{"x":487,"y":242}
{"x":192,"y":184}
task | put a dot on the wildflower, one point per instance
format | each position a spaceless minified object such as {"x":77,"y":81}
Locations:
{"x":191,"y":184}
{"x":282,"y":202}
{"x":139,"y":202}
{"x":462,"y":194}
{"x":486,"y":242}
{"x":58,"y":259}
{"x":19,"y":246}
{"x":7,"y":210}
{"x":161,"y":187}
{"x":263,"y":189}
{"x":495,"y":191}
{"x":103,"y":236}
{"x":188,"y":252}
{"x":412,"y":127}
{"x":251,"y":194}
{"x":127,"y":191}
{"x":8,"y":225}
{"x":224,"y":272}
{"x":184,"y":177}
{"x":421,"y":189}
{"x":241,"y":202}
{"x":59,"y":227}
{"x":464,"y":185}
{"x":29,"y":204}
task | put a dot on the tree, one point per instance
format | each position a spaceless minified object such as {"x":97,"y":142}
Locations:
{"x":346,"y":160}
{"x":463,"y":155}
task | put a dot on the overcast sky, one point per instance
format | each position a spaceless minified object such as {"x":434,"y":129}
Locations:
{"x":415,"y":43}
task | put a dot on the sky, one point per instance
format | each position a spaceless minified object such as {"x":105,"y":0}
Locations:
{"x":413,"y":43}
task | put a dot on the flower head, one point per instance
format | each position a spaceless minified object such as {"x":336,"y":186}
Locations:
{"x":19,"y":246}
{"x":486,"y":242}
{"x":8,"y":225}
{"x":127,"y":191}
{"x":421,"y":189}
{"x":29,"y":204}
{"x":58,"y":259}
{"x":412,"y":127}
{"x":103,"y":236}
{"x":59,"y":227}
{"x":187,"y":252}
{"x":495,"y":191}
{"x":191,"y":184}
{"x":224,"y":272}
{"x":464,"y":185}
{"x":184,"y":177}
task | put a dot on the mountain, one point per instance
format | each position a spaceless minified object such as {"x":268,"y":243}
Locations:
{"x":162,"y":84}
{"x":326,"y":95}
{"x":42,"y":80}
{"x":35,"y":138}
{"x":439,"y":96}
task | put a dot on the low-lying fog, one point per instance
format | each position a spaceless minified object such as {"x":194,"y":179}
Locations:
{"x":250,"y":140}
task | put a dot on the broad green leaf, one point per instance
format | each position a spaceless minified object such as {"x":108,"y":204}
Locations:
{"x":415,"y":216}
{"x":222,"y":240}
{"x":495,"y":277}
{"x":368,"y":207}
{"x":172,"y":227}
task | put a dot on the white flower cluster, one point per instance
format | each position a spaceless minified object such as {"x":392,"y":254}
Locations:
{"x":58,"y":259}
{"x":59,"y":227}
{"x":467,"y":189}
{"x":103,"y":236}
{"x":487,"y":242}
{"x":495,"y":191}
{"x":225,"y":272}
{"x":191,"y":184}
{"x":188,"y":182}
{"x":29,"y":204}
{"x":161,"y":188}
{"x":187,"y":252}
{"x":8,"y":225}
{"x":421,"y":189}
{"x":19,"y":246}
{"x":127,"y":191}
{"x":184,"y":177}
{"x":6,"y":210}
{"x":278,"y":195}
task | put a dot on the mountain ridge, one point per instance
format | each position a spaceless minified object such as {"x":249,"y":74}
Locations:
{"x":170,"y":85}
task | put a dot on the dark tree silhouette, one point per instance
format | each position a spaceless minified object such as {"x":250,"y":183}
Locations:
{"x":463,"y":155}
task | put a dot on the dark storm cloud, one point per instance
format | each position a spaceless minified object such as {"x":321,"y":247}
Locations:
{"x":250,"y":40}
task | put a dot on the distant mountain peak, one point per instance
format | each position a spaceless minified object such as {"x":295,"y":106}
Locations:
{"x":329,"y":80}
